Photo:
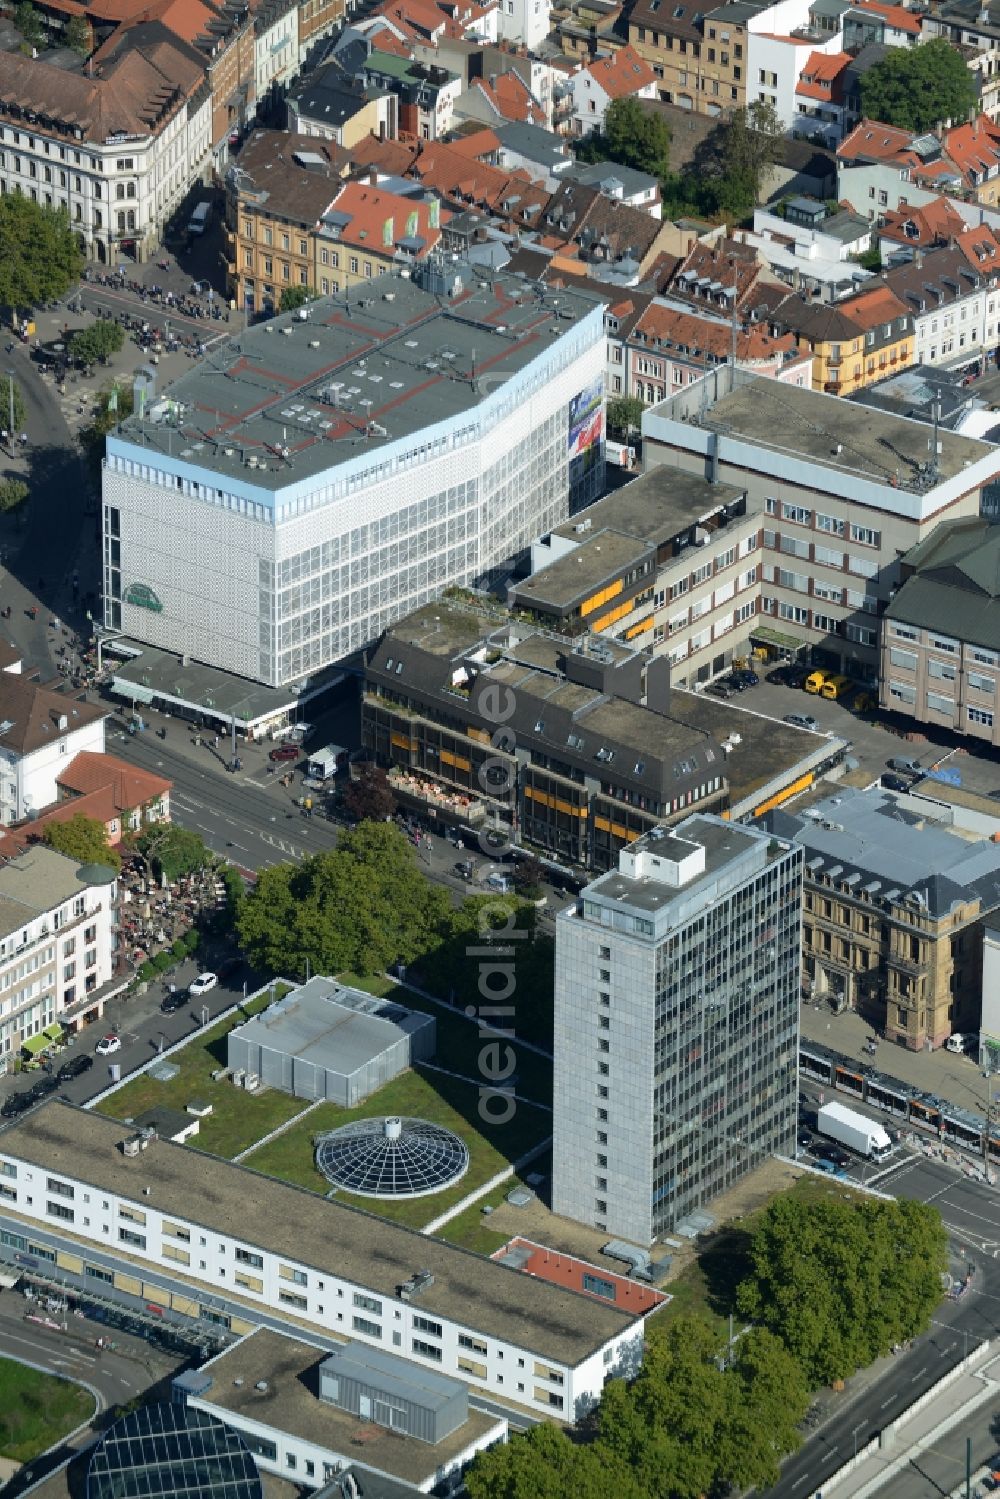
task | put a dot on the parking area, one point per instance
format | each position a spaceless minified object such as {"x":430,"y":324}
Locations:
{"x":874,"y":737}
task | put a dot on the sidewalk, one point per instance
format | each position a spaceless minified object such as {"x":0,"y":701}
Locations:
{"x":968,"y":1386}
{"x":954,"y":1078}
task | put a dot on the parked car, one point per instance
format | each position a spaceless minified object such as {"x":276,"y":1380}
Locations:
{"x":16,"y":1103}
{"x":464,"y":869}
{"x":746,"y":676}
{"x":284,"y":752}
{"x":108,"y":1045}
{"x":175,"y":1001}
{"x":823,"y":1165}
{"x":805,"y":1139}
{"x":721,"y":688}
{"x":75,"y":1067}
{"x":896,"y":783}
{"x":905,"y":763}
{"x":835,"y":687}
{"x":814,"y":681}
{"x":202,"y":984}
{"x":42,"y":1086}
{"x":802,"y":721}
{"x":736,"y":683}
{"x":832,"y":1153}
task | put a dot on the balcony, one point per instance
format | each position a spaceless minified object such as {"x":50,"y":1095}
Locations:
{"x":424,"y":795}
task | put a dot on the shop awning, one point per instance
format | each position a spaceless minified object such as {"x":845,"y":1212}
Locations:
{"x":36,"y":1044}
{"x":53,"y":1031}
{"x":782,"y":642}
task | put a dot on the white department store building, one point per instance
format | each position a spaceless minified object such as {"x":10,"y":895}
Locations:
{"x":320,"y":476}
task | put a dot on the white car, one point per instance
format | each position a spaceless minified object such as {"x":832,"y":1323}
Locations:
{"x":203,"y":983}
{"x":108,"y":1044}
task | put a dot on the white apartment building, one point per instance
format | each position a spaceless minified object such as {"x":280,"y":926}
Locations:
{"x":57,"y":943}
{"x":954,"y":297}
{"x":276,"y":49}
{"x":40,"y":733}
{"x":381,"y":445}
{"x":164,"y":1209}
{"x":780,"y":42}
{"x":843,"y":491}
{"x":523,"y":21}
{"x":621,"y":75}
{"x":67,"y":141}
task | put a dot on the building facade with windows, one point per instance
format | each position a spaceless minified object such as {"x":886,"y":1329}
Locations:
{"x":58,"y":937}
{"x":117,"y":151}
{"x":893,"y":912}
{"x":940,"y":645}
{"x":843,"y":492}
{"x":676,"y":1026}
{"x":169,"y":1225}
{"x":41,"y":733}
{"x":327,"y":472}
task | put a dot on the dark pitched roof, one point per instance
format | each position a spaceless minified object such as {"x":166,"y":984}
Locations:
{"x":32,"y":716}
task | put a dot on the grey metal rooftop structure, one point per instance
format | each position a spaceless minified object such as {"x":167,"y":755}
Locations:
{"x":306,"y":391}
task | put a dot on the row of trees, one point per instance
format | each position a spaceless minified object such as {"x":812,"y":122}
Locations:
{"x":727,"y":173}
{"x":830,"y":1285}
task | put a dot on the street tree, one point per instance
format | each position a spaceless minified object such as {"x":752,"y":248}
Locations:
{"x":13,"y":492}
{"x":368,"y":795}
{"x":841,"y":1282}
{"x":528,"y":875}
{"x":295,"y":296}
{"x":544,"y":1463}
{"x":39,"y":253}
{"x":10,"y":395}
{"x":96,"y":343}
{"x":768,"y":1397}
{"x":625,"y":414}
{"x":173,"y":852}
{"x":914,"y":88}
{"x":84,"y":839}
{"x":631,"y":135}
{"x":361,"y":907}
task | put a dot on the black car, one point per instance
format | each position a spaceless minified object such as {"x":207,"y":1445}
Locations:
{"x":747,"y":677}
{"x":43,"y":1086}
{"x":174,"y":1002}
{"x":16,"y":1104}
{"x":892,"y":782}
{"x":805,"y":1139}
{"x":833,"y":1154}
{"x":75,"y":1067}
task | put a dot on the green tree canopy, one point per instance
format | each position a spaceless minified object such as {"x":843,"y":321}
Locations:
{"x":97,"y":342}
{"x":634,"y":136}
{"x":173,"y":851}
{"x":84,"y":839}
{"x":29,"y":24}
{"x":545,"y":1463}
{"x":13,"y":492}
{"x":841,"y":1282}
{"x":625,"y":414}
{"x":7,"y":389}
{"x":39,"y":253}
{"x":363,"y":906}
{"x":914,"y":88}
{"x":77,"y":35}
{"x":295,"y":296}
{"x":731,"y":163}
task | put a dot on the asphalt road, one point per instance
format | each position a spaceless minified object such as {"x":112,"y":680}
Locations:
{"x":939,"y":1470}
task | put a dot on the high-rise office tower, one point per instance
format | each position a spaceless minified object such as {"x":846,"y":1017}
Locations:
{"x":676,"y":1025}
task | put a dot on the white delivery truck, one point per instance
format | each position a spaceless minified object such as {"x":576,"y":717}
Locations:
{"x":329,"y":761}
{"x":856,"y":1131}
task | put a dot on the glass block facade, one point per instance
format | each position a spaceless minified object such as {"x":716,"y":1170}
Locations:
{"x":676,"y":1026}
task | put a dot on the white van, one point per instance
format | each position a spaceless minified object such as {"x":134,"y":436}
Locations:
{"x":499,"y":882}
{"x":198,"y":222}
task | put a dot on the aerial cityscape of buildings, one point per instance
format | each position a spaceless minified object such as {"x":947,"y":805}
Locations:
{"x":558,"y":442}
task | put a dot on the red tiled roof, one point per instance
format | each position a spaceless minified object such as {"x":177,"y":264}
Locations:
{"x":511,"y":99}
{"x":621,"y":74}
{"x":478,"y":145}
{"x":822,"y":75}
{"x":698,"y":338}
{"x":893,"y":15}
{"x":874,"y":141}
{"x":880,"y":305}
{"x":931,"y":223}
{"x":972,"y":147}
{"x":128,"y":786}
{"x":374,"y":213}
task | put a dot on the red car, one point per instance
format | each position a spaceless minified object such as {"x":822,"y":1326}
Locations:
{"x":284,"y":752}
